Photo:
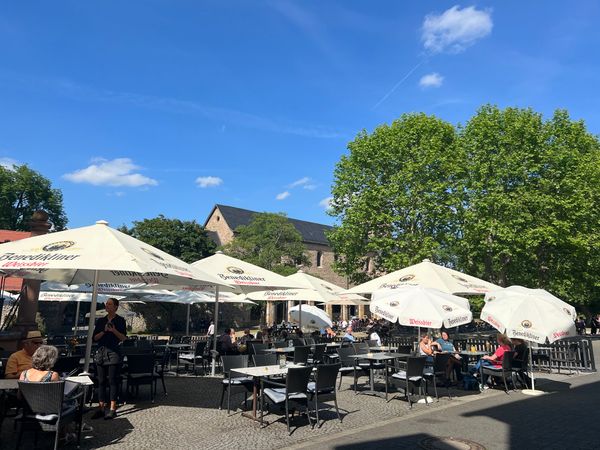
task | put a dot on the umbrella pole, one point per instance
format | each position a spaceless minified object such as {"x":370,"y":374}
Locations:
{"x":300,"y":315}
{"x":76,"y":328}
{"x":531,"y":391}
{"x":216,"y":322}
{"x":90,"y":337}
{"x":187,"y":323}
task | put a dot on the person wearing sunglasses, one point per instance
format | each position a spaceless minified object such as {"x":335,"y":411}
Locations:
{"x":21,"y":360}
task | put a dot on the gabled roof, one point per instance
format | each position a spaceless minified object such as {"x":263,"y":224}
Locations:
{"x":311,"y":232}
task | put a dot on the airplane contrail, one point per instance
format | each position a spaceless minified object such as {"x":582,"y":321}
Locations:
{"x":404,"y":78}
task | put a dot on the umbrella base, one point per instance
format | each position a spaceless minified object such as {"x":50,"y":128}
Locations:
{"x":425,"y":400}
{"x":533,"y":392}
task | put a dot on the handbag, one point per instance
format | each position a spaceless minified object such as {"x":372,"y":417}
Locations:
{"x":100,"y":356}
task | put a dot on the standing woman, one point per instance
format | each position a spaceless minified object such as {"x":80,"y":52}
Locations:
{"x":110,"y":331}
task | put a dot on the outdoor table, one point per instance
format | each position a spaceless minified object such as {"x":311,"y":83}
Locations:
{"x":383,"y":348}
{"x":281,"y":351}
{"x":467,"y":355}
{"x":378,"y":357}
{"x":257,"y":373}
{"x":179,"y":348}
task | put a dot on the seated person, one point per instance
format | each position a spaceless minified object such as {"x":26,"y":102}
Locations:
{"x":246,"y":337}
{"x":42,"y":362}
{"x":428,"y":348}
{"x":21,"y":360}
{"x":349,"y":337}
{"x":226,"y":345}
{"x":374,"y":336}
{"x":504,"y":345}
{"x":454,"y":363}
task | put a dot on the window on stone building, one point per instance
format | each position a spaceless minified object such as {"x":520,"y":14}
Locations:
{"x":319,"y":259}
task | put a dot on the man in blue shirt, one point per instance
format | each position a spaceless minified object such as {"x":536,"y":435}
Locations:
{"x":348,"y":336}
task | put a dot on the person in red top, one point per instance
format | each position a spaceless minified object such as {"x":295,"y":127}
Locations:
{"x":504,"y":345}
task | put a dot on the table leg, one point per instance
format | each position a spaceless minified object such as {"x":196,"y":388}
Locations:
{"x":371,"y":376}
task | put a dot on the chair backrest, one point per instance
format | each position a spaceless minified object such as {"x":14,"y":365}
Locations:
{"x":360,"y":348}
{"x":345,"y":354}
{"x":326,"y":376}
{"x":232,"y":362}
{"x":309,"y":341}
{"x":298,"y":342}
{"x":405,"y":349}
{"x":301,"y":354}
{"x":140,"y":363}
{"x":66,"y":364}
{"x":256,"y":348}
{"x":297,"y":379}
{"x":43,"y":398}
{"x":200,"y":348}
{"x":319,"y":351}
{"x":264,"y":360}
{"x":440,"y":362}
{"x":128,"y":343}
{"x":280,"y":344}
{"x":507,"y":360}
{"x":372,"y":343}
{"x":144,"y":345}
{"x":166,"y":357}
{"x":415,"y":366}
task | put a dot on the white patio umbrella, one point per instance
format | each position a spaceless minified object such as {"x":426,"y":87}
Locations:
{"x":310,"y":316}
{"x":530,"y":315}
{"x":190,"y":298}
{"x":243,"y":275}
{"x":313,"y":289}
{"x":427,"y":274}
{"x":418,"y":306}
{"x":96,"y":254}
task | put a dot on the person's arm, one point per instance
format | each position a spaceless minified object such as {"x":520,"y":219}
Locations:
{"x":99,"y":331}
{"x":119,"y":329}
{"x":11,"y":368}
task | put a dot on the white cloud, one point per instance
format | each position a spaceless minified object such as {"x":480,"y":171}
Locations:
{"x":326,"y":202}
{"x":455,"y":29}
{"x":309,"y":187}
{"x":8,"y":163}
{"x":205,"y":182}
{"x":116,"y":172}
{"x":302,"y":181}
{"x":283,"y":195}
{"x":431,"y":80}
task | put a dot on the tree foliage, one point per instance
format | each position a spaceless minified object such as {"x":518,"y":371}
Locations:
{"x":509,"y":197}
{"x":186,"y":240}
{"x":24,"y":191}
{"x":269,"y":241}
{"x":395,"y":195}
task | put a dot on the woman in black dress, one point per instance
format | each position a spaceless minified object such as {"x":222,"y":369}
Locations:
{"x":110,"y":331}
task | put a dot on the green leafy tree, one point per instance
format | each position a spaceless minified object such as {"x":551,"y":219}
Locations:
{"x":24,"y":191}
{"x":396,"y":194}
{"x":269,"y":241}
{"x":532,"y":202}
{"x":186,"y":240}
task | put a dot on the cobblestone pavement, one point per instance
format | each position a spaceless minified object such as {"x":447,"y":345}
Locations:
{"x":189,"y":418}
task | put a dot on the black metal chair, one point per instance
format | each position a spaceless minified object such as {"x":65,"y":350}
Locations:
{"x":301,"y":354}
{"x":198,"y":357}
{"x":67,"y":365}
{"x":502,"y":372}
{"x":348,"y":363}
{"x":372,"y":343}
{"x":309,"y":341}
{"x":317,"y":355}
{"x":48,"y":410}
{"x":280,"y":344}
{"x":162,"y":367}
{"x":255,"y":348}
{"x":324,"y":385}
{"x":230,"y":380}
{"x":438,"y":369}
{"x":140,"y":371}
{"x":298,"y":342}
{"x":361,"y":348}
{"x":410,"y":376}
{"x":264,"y":360}
{"x":520,"y":368}
{"x":294,"y":390}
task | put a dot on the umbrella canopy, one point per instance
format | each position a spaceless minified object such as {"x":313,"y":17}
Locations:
{"x":529,"y":314}
{"x":96,"y":254}
{"x":419,"y":306}
{"x":310,"y":317}
{"x":427,"y":274}
{"x":190,"y":298}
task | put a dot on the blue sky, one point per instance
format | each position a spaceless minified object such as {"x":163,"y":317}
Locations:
{"x":140,"y":108}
